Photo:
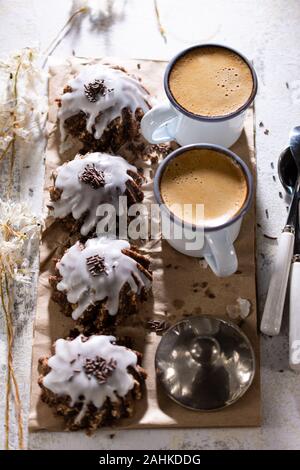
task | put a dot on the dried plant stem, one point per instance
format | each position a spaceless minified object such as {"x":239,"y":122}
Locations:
{"x":13,"y":146}
{"x":11,"y":378}
{"x":61,"y":34}
{"x":5,"y":150}
{"x":159,"y":24}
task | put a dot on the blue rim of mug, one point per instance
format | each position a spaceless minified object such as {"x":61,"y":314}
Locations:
{"x":217,"y":148}
{"x":198,"y":116}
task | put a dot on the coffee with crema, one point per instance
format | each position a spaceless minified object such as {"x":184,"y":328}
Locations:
{"x":208,"y":177}
{"x":211,"y":81}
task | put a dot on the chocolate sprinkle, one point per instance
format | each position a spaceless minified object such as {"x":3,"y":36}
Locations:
{"x":95,"y":265}
{"x":96,"y":89}
{"x":100,"y":368}
{"x":92,"y":176}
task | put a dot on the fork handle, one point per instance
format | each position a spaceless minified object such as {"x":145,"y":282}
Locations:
{"x":272,"y":315}
{"x":294,"y":335}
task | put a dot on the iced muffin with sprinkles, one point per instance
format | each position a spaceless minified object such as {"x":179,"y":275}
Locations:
{"x":100,"y":283}
{"x":102,"y":107}
{"x":91,"y":382}
{"x":81,"y":185}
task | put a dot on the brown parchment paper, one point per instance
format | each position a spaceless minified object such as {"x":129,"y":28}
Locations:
{"x":181,"y":286}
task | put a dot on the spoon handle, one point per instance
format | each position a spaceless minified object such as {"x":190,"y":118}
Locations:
{"x":272,"y":315}
{"x":294,"y":336}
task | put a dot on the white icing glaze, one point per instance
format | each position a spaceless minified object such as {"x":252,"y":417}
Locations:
{"x":126,"y":92}
{"x":84,"y":289}
{"x":78,"y":197}
{"x":68,"y":376}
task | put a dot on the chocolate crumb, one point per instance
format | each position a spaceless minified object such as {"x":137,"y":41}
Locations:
{"x":261,"y":124}
{"x":111,"y":436}
{"x":178,"y":303}
{"x":280,"y":195}
{"x":287,"y":85}
{"x":272,"y":165}
{"x":266,"y":131}
{"x":209,"y":294}
{"x":274,"y":178}
{"x":138,"y":66}
{"x":204,"y":284}
{"x":267,"y":213}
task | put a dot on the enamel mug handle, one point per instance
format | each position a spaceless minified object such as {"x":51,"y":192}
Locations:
{"x":159,"y":124}
{"x":222,"y":257}
{"x":294,"y":339}
{"x":272,"y":316}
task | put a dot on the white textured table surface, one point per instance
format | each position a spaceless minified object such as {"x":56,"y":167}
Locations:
{"x":266,"y":31}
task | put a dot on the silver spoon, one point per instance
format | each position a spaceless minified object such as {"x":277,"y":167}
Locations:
{"x":272,"y":315}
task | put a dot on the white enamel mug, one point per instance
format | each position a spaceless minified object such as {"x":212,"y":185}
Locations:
{"x":217,"y":247}
{"x":170,"y":121}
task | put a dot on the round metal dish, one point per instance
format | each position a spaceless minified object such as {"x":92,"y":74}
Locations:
{"x":205,"y":363}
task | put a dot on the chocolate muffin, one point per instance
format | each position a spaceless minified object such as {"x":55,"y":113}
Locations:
{"x":102,"y":107}
{"x":91,"y":382}
{"x":83,"y":184}
{"x":100,"y":283}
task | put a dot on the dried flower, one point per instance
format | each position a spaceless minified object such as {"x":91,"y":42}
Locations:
{"x":18,"y":229}
{"x":23,"y":110}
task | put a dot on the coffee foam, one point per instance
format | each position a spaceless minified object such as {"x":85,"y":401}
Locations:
{"x":207,"y":177}
{"x":211,"y":81}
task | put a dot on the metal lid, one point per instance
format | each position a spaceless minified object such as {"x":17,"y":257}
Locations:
{"x":205,"y":363}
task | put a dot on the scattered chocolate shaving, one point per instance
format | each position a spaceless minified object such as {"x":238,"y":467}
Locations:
{"x":266,"y":131}
{"x":269,"y":236}
{"x":67,"y":89}
{"x":100,"y":368}
{"x":84,"y":339}
{"x":209,"y":293}
{"x":261,"y":124}
{"x":158,"y":326}
{"x":280,"y":195}
{"x":96,"y":265}
{"x":272,"y":165}
{"x":92,"y":176}
{"x":267,"y":213}
{"x":96,"y":89}
{"x":274,"y":178}
{"x":138,"y":66}
{"x":287,"y":85}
